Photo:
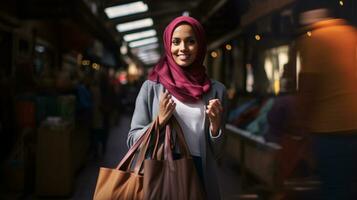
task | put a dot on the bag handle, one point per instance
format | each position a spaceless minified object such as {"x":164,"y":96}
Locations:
{"x":127,"y":160}
{"x":181,"y":138}
{"x":145,"y":145}
{"x":125,"y":163}
{"x":159,"y":149}
{"x":167,"y":145}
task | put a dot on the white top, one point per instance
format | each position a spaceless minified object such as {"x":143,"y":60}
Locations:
{"x":191,"y":117}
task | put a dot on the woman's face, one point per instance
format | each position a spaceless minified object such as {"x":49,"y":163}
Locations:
{"x":184,"y":45}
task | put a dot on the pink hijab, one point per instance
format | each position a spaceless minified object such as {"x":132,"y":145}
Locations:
{"x":187,"y":84}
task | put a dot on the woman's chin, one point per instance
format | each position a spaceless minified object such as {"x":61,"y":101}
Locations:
{"x":184,"y":63}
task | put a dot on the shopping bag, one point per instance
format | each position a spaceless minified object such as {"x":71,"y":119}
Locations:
{"x":170,"y":179}
{"x":159,"y":177}
{"x":123,"y":183}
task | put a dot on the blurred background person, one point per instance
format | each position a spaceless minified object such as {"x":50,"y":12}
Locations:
{"x":328,"y":91}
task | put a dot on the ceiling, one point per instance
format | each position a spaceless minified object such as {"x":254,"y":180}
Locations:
{"x":218,"y":17}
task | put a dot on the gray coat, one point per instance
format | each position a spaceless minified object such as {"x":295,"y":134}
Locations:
{"x":146,"y":110}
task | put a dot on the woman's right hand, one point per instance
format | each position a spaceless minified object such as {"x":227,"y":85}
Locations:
{"x":166,"y":109}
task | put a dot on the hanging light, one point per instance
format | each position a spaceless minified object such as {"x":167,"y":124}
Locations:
{"x":228,"y":47}
{"x":85,"y":62}
{"x":139,"y":35}
{"x":126,"y":9}
{"x":309,"y":33}
{"x":95,"y":66}
{"x":214,"y":54}
{"x":128,"y":26}
{"x":143,"y":42}
{"x":257,"y":37}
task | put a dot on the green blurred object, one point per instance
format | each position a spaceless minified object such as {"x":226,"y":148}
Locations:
{"x":46,"y":106}
{"x":56,"y":106}
{"x":67,"y":107}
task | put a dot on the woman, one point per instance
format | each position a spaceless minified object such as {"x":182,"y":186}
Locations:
{"x":178,"y":85}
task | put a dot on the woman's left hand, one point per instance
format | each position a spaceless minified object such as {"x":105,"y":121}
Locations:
{"x":214,"y":112}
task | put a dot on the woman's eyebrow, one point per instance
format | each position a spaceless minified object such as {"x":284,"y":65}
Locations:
{"x":189,"y":37}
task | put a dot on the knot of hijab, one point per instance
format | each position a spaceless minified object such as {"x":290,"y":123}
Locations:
{"x":187,"y":84}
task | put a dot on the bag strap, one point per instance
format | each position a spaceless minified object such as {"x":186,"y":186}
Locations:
{"x":127,"y":160}
{"x":160,"y":152}
{"x":168,"y":147}
{"x":160,"y":149}
{"x":157,"y":147}
{"x":141,"y":157}
{"x":157,"y":154}
{"x":125,"y":163}
{"x":180,"y":138}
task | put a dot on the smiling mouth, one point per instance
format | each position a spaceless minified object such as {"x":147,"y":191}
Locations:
{"x":183,"y":57}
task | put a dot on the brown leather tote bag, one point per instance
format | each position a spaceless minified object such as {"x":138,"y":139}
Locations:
{"x":122,"y":183}
{"x":157,"y":178}
{"x":170,"y":179}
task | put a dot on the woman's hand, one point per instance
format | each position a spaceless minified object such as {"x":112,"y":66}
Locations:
{"x":214,"y":112}
{"x":166,"y":109}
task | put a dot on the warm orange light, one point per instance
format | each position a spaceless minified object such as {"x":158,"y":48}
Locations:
{"x":214,"y":54}
{"x":95,"y":66}
{"x":309,"y":33}
{"x":85,"y":62}
{"x":257,"y":37}
{"x":228,"y":47}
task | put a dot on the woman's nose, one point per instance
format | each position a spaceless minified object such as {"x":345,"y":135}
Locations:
{"x":183,"y":46}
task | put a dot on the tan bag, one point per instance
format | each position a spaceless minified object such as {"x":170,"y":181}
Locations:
{"x":122,"y":183}
{"x":164,"y":179}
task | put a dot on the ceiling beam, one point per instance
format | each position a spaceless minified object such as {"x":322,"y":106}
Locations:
{"x":225,"y":38}
{"x":262,"y":9}
{"x":207,"y":8}
{"x":212,"y":10}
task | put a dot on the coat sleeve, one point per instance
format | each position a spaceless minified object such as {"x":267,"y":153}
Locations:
{"x":141,"y":120}
{"x":217,"y":143}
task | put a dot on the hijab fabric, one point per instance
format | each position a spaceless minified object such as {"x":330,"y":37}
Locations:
{"x":187,"y":84}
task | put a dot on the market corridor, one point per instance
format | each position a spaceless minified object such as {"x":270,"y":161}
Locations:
{"x":116,"y":149}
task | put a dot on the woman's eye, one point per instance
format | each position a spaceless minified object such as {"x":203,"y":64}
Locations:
{"x":192,"y":41}
{"x":175,"y":42}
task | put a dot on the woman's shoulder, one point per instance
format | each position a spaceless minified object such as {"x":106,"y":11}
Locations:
{"x":217,"y":85}
{"x":151,"y":87}
{"x":151,"y":84}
